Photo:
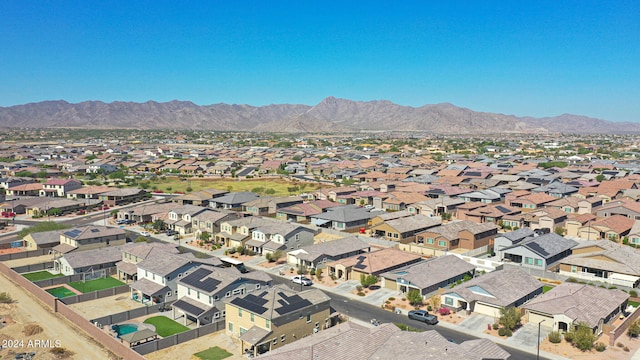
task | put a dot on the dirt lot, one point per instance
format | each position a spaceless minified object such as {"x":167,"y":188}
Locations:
{"x":187,"y":349}
{"x":27,"y":310}
{"x":612,"y":353}
{"x":29,"y":261}
{"x":105,"y":306}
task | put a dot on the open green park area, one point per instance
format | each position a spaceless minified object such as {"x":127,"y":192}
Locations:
{"x":266,"y":186}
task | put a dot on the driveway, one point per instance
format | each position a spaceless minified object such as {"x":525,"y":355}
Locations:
{"x":377,"y":297}
{"x":477,"y":322}
{"x":527,"y":335}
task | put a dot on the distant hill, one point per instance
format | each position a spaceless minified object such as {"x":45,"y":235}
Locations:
{"x":330,"y":115}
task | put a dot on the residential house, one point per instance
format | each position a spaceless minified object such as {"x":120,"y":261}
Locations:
{"x":348,"y":218}
{"x":508,"y":239}
{"x":458,"y":235}
{"x":490,"y":214}
{"x":209,"y":221}
{"x":268,"y":238}
{"x":92,"y":260}
{"x":235,"y":233}
{"x":386,"y":341}
{"x":487,"y":294}
{"x":42,"y":240}
{"x":199,"y":198}
{"x":428,"y":276}
{"x":264,"y":206}
{"x":90,"y":237}
{"x":180,"y":218}
{"x":59,"y":187}
{"x":317,"y":255}
{"x":127,"y":267}
{"x":575,"y":223}
{"x":123,"y":196}
{"x":383,"y":217}
{"x":487,"y":196}
{"x":158,"y":275}
{"x":271,"y":318}
{"x":624,"y":207}
{"x":567,"y":305}
{"x":435,"y":207}
{"x":404,"y":229}
{"x":371,"y":263}
{"x":233,"y":201}
{"x":539,"y":252}
{"x":201,"y":293}
{"x":29,"y":189}
{"x":613,"y":228}
{"x":603,"y":261}
{"x":302,"y":213}
{"x":531,"y":202}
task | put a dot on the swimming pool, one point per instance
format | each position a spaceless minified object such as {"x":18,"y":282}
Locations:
{"x":60,"y":292}
{"x":124,"y":329}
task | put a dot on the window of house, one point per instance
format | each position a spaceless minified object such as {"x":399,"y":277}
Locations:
{"x":448,"y":301}
{"x":442,"y":243}
{"x":635,"y":240}
{"x":395,"y":235}
{"x":574,"y":268}
{"x":538,"y":262}
{"x":275,"y":341}
{"x":216,"y":315}
{"x":169,"y":294}
{"x":239,"y":312}
{"x":216,"y":298}
{"x":197,"y":294}
{"x":283,"y":338}
{"x":188,"y":291}
{"x":528,"y":260}
{"x":430,"y":241}
{"x":308,"y":317}
{"x":228,"y":294}
{"x":252,"y":317}
{"x":257,"y":286}
{"x":230,"y":327}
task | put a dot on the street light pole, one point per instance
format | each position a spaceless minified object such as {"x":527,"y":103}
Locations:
{"x":538,"y":353}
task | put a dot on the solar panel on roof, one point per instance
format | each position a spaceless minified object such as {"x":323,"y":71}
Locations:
{"x":95,"y":230}
{"x":199,"y":279}
{"x":73,"y":233}
{"x":251,"y":303}
{"x":503,"y":209}
{"x":291,"y":304}
{"x":190,"y":308}
{"x":537,"y":248}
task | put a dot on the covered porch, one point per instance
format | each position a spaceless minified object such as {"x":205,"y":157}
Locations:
{"x":146,"y":291}
{"x":192,"y":310}
{"x":253,"y":341}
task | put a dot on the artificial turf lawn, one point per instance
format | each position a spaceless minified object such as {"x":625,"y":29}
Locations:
{"x":165,"y":326}
{"x":213,"y":353}
{"x":95,"y":285}
{"x":40,"y":275}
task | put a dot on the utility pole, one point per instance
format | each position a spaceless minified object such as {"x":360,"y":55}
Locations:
{"x":538,"y":353}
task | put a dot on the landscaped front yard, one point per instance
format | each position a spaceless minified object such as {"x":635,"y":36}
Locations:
{"x":95,"y":285}
{"x":165,"y":326}
{"x":40,"y":275}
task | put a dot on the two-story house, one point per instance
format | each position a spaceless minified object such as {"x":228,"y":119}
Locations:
{"x":269,"y":238}
{"x":202,"y":292}
{"x":127,"y":267}
{"x":180,"y":218}
{"x":274,"y":317}
{"x":59,"y":187}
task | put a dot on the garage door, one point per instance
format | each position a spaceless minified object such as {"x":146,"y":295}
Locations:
{"x":536,"y":318}
{"x":487,"y":310}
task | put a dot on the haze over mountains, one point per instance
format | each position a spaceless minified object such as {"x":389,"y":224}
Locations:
{"x":330,"y":115}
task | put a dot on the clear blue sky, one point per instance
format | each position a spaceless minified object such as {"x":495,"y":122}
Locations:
{"x":537,"y":58}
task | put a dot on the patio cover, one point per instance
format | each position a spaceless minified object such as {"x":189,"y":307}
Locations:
{"x":255,"y":335}
{"x":127,"y":268}
{"x":193,"y":307}
{"x":149,"y":288}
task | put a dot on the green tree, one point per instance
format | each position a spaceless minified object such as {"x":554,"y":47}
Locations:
{"x":367,"y":280}
{"x":205,"y":236}
{"x":140,"y":239}
{"x":634,"y":329}
{"x":510,"y":317}
{"x":559,"y":230}
{"x":54,"y":212}
{"x":158,"y":225}
{"x":583,"y":337}
{"x":414,"y":297}
{"x":600,"y":178}
{"x":116,"y":175}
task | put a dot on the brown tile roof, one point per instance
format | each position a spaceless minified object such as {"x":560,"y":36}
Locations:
{"x":377,"y":261}
{"x":617,"y":223}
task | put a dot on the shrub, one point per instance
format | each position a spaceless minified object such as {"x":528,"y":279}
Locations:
{"x":508,"y":332}
{"x":429,"y":308}
{"x":584,"y":337}
{"x":619,"y":344}
{"x":502,"y":331}
{"x":32,"y":329}
{"x":444,"y":311}
{"x":414,"y":296}
{"x":600,"y":347}
{"x":633,"y":293}
{"x":312,"y":272}
{"x":61,"y":353}
{"x":568,"y":337}
{"x":359,"y":288}
{"x":634,"y":329}
{"x":495,"y":326}
{"x":391,"y":298}
{"x":5,"y":298}
{"x":572,"y":280}
{"x":626,"y":349}
{"x":555,"y":337}
{"x":360,"y":293}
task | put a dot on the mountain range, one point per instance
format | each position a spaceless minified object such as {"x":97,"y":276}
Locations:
{"x":331,"y":115}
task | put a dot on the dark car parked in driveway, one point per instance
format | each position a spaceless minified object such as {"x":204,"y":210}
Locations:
{"x":422,"y":315}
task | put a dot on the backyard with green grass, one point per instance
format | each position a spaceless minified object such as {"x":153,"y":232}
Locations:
{"x":165,"y":326}
{"x":213,"y":353}
{"x":40,"y":275}
{"x":95,"y":285}
{"x":546,"y":288}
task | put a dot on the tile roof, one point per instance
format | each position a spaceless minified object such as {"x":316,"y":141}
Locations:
{"x":377,"y":261}
{"x":580,"y":302}
{"x":431,"y":272}
{"x":546,"y":246}
{"x":504,"y":287}
{"x":611,"y":256}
